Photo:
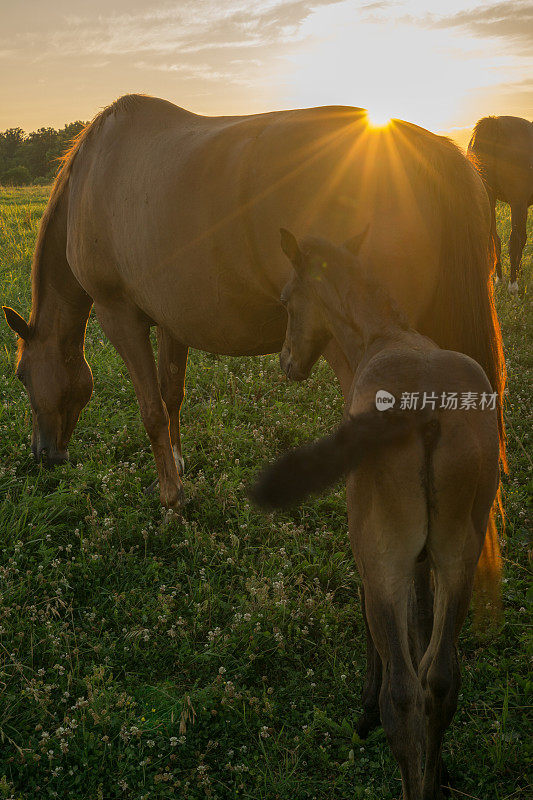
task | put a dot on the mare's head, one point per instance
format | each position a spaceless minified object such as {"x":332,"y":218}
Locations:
{"x":321,"y":274}
{"x":58,"y":382}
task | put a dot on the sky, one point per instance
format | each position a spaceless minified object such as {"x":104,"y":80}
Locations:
{"x":439,"y":64}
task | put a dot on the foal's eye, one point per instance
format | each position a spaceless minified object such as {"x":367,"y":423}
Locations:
{"x":284,"y":301}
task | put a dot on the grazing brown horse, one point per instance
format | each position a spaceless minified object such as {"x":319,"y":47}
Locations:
{"x":501,"y":148}
{"x":163,"y":217}
{"x":421,"y":487}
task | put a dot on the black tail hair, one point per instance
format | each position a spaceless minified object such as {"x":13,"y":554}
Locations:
{"x":314,"y":467}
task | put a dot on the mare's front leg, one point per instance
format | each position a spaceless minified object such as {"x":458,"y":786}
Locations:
{"x":496,"y":241}
{"x":128,"y":329}
{"x":171,"y":369}
{"x":517,"y":241}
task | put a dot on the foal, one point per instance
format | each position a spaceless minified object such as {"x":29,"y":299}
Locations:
{"x":421,"y":485}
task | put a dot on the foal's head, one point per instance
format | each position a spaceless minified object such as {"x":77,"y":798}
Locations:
{"x":324,"y":275}
{"x":59,"y":384}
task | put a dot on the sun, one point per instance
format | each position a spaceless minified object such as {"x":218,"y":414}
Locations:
{"x":378,"y":118}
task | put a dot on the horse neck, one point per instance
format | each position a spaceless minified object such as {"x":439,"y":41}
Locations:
{"x":363,"y":323}
{"x":60,"y":316}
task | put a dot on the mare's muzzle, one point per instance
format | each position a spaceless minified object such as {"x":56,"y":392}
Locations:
{"x":46,"y":452}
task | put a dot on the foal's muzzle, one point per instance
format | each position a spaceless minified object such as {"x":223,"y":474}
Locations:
{"x":290,"y":369}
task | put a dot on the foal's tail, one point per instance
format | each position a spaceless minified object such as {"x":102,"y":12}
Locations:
{"x":311,"y":469}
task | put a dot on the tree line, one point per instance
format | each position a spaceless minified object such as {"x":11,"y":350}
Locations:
{"x":34,"y":157}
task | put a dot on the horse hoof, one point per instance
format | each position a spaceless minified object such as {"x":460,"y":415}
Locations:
{"x":513,"y":288}
{"x":367,"y":722}
{"x":174,"y":499}
{"x":180,"y":463}
{"x":444,"y":780}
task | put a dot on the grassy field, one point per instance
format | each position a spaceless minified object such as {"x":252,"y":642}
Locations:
{"x":222,"y":655}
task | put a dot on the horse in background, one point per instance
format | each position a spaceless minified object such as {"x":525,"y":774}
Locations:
{"x":421,"y":485}
{"x":501,"y":149}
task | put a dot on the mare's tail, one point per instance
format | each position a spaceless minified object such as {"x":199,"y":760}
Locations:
{"x":462,"y":315}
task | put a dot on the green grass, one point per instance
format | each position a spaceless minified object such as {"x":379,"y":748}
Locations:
{"x":220,"y":656}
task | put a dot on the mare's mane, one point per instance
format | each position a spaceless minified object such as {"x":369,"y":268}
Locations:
{"x":126,"y":103}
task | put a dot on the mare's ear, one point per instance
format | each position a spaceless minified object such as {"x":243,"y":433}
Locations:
{"x":16,"y":323}
{"x":356,"y":242}
{"x":291,"y":248}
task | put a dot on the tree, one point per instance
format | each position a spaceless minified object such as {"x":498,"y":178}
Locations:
{"x":11,"y":143}
{"x":39,"y":152}
{"x":16,"y":176}
{"x":40,"y":149}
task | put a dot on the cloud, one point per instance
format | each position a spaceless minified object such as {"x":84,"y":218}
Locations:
{"x":239,"y":42}
{"x":186,"y":27}
{"x":511,"y":20}
{"x":204,"y":72}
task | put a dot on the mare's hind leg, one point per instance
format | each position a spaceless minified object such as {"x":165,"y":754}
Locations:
{"x":517,"y":242}
{"x":128,"y":329}
{"x":401,"y":698}
{"x":171,"y":368}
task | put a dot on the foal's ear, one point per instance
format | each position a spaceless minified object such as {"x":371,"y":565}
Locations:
{"x":291,"y":248}
{"x":356,"y":242}
{"x":16,"y":323}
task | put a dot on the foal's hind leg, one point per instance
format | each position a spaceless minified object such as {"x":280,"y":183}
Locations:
{"x":401,"y":699}
{"x":369,"y":719}
{"x":420,"y":629}
{"x":439,"y":671}
{"x":171,"y":368}
{"x":128,"y":330}
{"x":424,"y":606}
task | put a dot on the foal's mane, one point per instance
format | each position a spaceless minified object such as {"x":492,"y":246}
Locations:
{"x":357,"y":282}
